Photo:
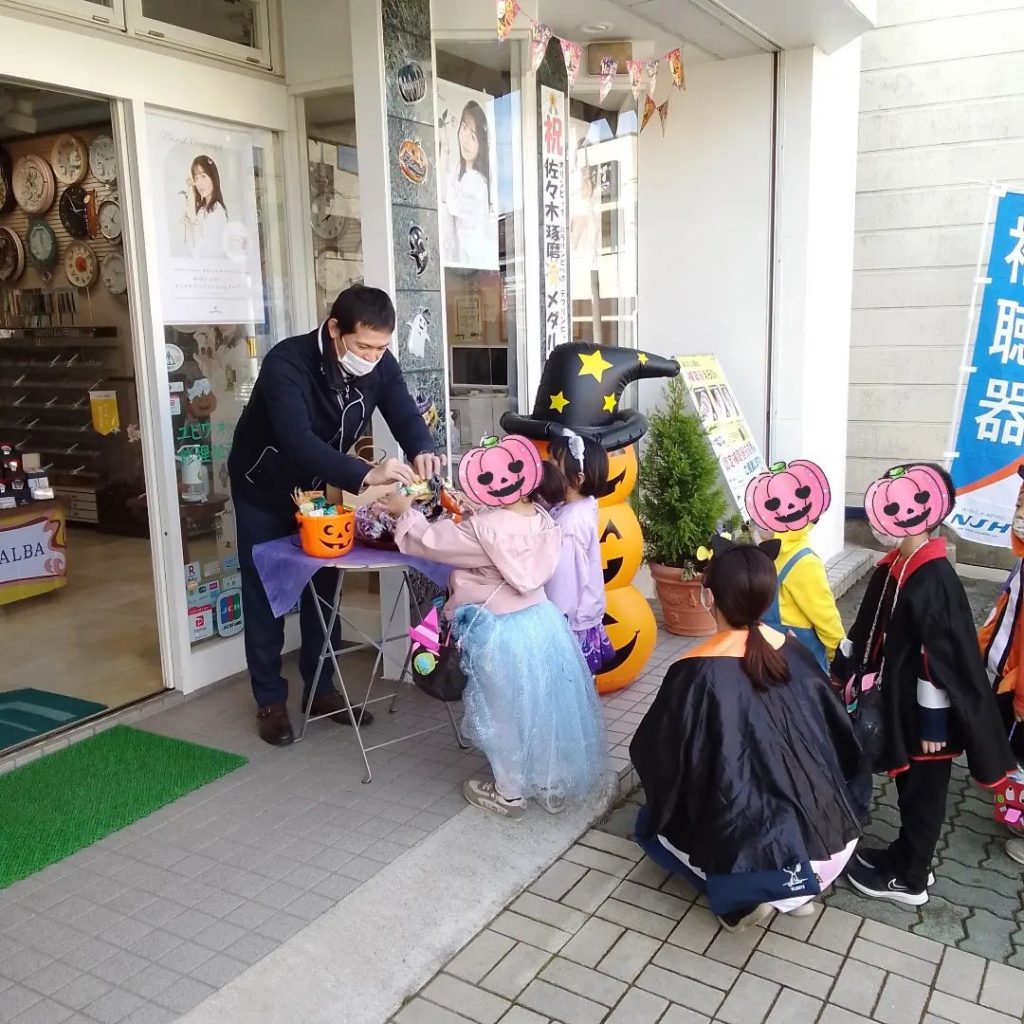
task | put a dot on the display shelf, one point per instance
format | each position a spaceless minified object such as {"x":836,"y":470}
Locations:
{"x":44,"y":405}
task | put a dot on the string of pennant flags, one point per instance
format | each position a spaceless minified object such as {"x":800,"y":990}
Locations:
{"x":640,"y":72}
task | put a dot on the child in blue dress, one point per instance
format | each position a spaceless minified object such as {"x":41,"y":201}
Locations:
{"x":529,"y":701}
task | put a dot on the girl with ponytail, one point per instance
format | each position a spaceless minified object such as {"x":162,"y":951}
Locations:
{"x":746,"y":757}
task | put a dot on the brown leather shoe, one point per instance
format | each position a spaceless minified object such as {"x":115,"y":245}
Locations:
{"x":333,"y":704}
{"x":275,"y":726}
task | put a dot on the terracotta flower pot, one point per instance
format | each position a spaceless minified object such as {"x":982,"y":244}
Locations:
{"x":680,"y":603}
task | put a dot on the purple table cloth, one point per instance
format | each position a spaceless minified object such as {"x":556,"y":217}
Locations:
{"x":285,"y":569}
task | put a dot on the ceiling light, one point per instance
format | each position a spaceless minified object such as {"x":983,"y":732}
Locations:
{"x":596,"y":28}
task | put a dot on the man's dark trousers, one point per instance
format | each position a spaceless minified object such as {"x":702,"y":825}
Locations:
{"x":264,"y":633}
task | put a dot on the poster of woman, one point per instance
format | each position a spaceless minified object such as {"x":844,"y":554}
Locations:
{"x":467,"y":177}
{"x":210,"y":263}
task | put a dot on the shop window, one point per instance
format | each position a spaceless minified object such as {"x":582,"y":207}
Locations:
{"x":221,"y":256}
{"x":239,"y":29}
{"x":102,"y":12}
{"x":602,"y":221}
{"x":333,"y":195}
{"x":76,"y":571}
{"x":481,"y":211}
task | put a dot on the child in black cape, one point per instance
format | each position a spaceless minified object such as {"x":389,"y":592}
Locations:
{"x":914,"y":642}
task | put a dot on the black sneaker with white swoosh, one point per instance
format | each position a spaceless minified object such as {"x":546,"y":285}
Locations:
{"x":885,"y":885}
{"x":878,"y":860}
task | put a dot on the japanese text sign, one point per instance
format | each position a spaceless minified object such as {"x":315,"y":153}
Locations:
{"x":554,"y":240}
{"x":990,"y":436}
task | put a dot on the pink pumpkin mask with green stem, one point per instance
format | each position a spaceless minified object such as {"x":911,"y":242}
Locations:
{"x":909,"y":500}
{"x":788,"y":497}
{"x":501,"y":471}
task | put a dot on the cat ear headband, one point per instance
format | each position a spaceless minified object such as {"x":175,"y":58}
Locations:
{"x":722,"y":543}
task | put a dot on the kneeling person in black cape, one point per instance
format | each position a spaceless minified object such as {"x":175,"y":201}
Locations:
{"x":746,"y":757}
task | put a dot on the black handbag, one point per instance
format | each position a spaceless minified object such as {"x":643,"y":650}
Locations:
{"x":865,"y":705}
{"x":439,"y":674}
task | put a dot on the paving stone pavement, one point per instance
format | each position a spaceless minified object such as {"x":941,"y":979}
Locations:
{"x":150,"y":921}
{"x":604,"y":936}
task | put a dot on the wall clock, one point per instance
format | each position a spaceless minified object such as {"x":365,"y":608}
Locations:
{"x":103,"y":158}
{"x":41,"y":244}
{"x":75,"y":213}
{"x":69,"y":159}
{"x":113,"y":274}
{"x":80,"y":264}
{"x":110,"y":219}
{"x":329,"y":210}
{"x":12,"y":256}
{"x":6,"y":190}
{"x":33,"y":183}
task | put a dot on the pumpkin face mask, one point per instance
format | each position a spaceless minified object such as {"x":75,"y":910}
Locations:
{"x":788,"y":497}
{"x":500,"y":472}
{"x":909,"y":500}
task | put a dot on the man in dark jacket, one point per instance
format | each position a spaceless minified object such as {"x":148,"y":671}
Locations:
{"x":312,"y":401}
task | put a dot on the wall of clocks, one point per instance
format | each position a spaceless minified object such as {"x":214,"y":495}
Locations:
{"x":60,"y":222}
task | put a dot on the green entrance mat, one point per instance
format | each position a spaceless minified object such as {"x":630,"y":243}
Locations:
{"x":25,"y":714}
{"x":72,"y":798}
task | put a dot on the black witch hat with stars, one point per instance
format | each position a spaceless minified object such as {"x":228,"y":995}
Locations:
{"x":581,"y":387}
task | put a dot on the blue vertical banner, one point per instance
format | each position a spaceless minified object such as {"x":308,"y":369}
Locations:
{"x":990,"y":435}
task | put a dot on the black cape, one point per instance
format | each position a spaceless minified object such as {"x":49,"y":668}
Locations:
{"x":747,"y":781}
{"x":930,"y":633}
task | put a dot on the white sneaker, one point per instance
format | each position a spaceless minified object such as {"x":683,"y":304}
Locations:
{"x":757,"y":916}
{"x":804,"y":910}
{"x":486,"y":796}
{"x":1015,"y":850}
{"x":552,"y":800}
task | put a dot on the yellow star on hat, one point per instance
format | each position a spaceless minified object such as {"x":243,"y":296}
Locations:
{"x":559,"y":402}
{"x":642,"y":358}
{"x":594,"y":364}
{"x":609,"y":403}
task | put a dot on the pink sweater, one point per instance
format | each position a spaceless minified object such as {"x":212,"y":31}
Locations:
{"x":493,"y":547}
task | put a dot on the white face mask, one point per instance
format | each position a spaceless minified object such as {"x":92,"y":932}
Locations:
{"x":884,"y":539}
{"x":707,"y":599}
{"x":355,"y":365}
{"x":1018,"y":526}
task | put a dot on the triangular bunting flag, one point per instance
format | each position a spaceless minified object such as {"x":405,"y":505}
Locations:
{"x":573,"y":54}
{"x":663,"y":114}
{"x":652,"y":77}
{"x":508,"y":11}
{"x":609,"y":69}
{"x":649,"y":108}
{"x":540,"y":34}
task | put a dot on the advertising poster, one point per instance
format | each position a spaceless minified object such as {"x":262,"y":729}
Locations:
{"x":989,"y":437}
{"x":207,"y":229}
{"x":468,"y":177}
{"x":555,"y":240}
{"x":731,"y":439}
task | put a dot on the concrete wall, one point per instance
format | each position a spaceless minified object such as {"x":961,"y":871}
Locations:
{"x":704,"y":228}
{"x":941,"y":94}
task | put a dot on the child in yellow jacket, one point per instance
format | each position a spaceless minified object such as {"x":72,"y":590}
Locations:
{"x":786,"y":502}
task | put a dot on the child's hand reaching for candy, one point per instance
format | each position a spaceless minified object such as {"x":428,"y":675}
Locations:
{"x":397,"y":503}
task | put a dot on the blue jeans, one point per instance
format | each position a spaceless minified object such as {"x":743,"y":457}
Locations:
{"x":264,"y":632}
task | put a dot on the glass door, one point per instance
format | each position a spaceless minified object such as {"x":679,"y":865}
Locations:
{"x":76,"y":572}
{"x":480,"y":180}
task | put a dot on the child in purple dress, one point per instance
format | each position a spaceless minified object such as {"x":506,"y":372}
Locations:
{"x":577,"y":587}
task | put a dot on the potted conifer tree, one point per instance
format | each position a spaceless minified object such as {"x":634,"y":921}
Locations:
{"x":679,"y":505}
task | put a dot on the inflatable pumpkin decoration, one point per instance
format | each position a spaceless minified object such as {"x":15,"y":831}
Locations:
{"x":622,"y":544}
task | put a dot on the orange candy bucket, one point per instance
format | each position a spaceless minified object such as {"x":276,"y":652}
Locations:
{"x":327,"y":536}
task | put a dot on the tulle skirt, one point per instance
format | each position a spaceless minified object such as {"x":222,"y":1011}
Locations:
{"x":530,"y":703}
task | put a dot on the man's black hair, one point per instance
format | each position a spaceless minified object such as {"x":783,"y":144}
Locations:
{"x":361,"y":305}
